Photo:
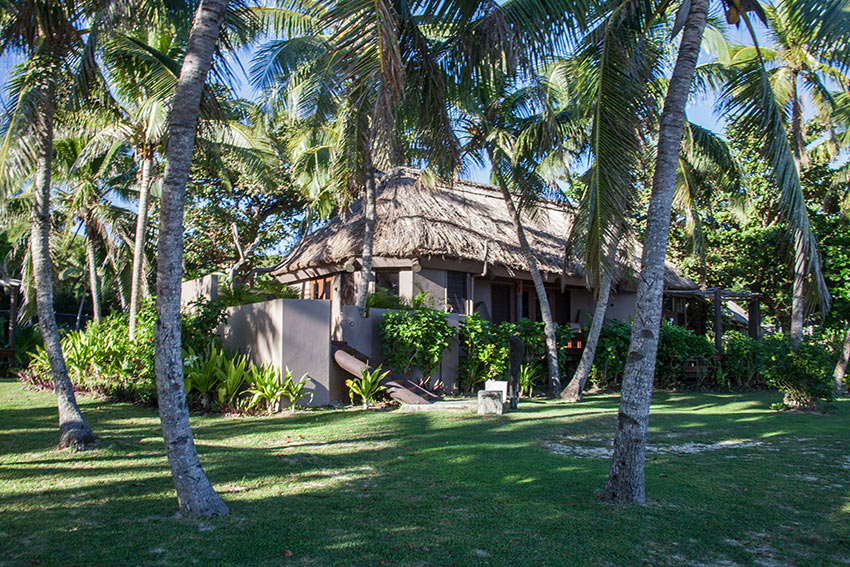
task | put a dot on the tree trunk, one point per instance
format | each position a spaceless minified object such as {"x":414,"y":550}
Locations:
{"x":626,"y":478}
{"x":574,"y":390}
{"x":80,"y":308}
{"x":74,"y":431}
{"x":370,"y":216}
{"x":92,"y":259}
{"x":801,"y":161}
{"x":543,"y":299}
{"x":195,"y":494}
{"x":139,"y":244}
{"x":841,"y":367}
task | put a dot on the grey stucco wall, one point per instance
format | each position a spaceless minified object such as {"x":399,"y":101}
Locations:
{"x":206,"y":286}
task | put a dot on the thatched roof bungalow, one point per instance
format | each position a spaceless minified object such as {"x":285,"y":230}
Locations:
{"x":457,"y":243}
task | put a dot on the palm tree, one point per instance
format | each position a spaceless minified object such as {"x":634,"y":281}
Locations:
{"x":625,"y":480}
{"x":195,"y":494}
{"x":49,"y":33}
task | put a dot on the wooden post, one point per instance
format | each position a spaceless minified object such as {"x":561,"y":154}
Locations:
{"x":519,"y":313}
{"x":13,"y":316}
{"x":718,"y":320}
{"x":516,"y":354}
{"x":755,"y":317}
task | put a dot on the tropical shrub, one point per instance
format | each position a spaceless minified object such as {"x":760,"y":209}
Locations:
{"x":611,"y":352}
{"x":368,"y":386}
{"x":382,"y":299}
{"x":677,"y":345}
{"x":415,"y":338}
{"x":266,"y":387}
{"x":742,"y":363}
{"x":529,"y":375}
{"x":804,"y":377}
{"x":485,"y":351}
{"x":294,"y":391}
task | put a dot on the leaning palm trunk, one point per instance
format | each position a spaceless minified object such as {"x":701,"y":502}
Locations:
{"x":139,"y":244}
{"x":370,"y":217}
{"x":92,"y":259}
{"x":74,"y":431}
{"x":574,"y":390}
{"x":841,"y":366}
{"x":543,"y":300}
{"x":195,"y":494}
{"x":626,"y":478}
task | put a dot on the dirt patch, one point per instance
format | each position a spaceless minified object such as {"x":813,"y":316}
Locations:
{"x":689,"y":448}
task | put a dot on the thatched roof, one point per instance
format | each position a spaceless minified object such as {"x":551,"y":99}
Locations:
{"x":464,"y":221}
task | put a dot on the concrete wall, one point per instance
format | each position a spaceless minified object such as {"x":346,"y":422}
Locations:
{"x":191,"y":290}
{"x":481,"y":299}
{"x":293,"y":333}
{"x":621,"y":306}
{"x":432,"y":281}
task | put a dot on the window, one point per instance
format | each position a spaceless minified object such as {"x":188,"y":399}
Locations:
{"x":456,"y":292}
{"x":388,"y":280}
{"x":500,"y":300}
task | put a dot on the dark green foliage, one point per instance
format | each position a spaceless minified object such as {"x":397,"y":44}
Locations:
{"x":415,"y":338}
{"x":382,"y":299}
{"x":804,"y":377}
{"x":611,"y":352}
{"x":200,"y":322}
{"x":675,"y":347}
{"x":743,"y":360}
{"x":265,"y":289}
{"x":486,"y":349}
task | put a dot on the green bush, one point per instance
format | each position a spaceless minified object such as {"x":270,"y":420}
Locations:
{"x":485,"y":350}
{"x":382,"y":299}
{"x":611,"y":352}
{"x":675,"y":347}
{"x":742,"y":363}
{"x":416,"y":338}
{"x":804,"y":377}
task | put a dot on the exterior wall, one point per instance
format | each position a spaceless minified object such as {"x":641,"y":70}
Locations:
{"x":621,"y":306}
{"x":405,"y":284}
{"x":191,"y":290}
{"x":293,"y":333}
{"x":582,"y":304}
{"x":432,"y":281}
{"x":481,"y":298}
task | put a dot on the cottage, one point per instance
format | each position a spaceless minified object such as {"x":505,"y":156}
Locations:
{"x":457,"y":243}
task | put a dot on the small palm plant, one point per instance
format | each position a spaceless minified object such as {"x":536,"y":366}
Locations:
{"x":203,"y":373}
{"x":266,"y":386}
{"x":294,"y":391}
{"x":234,"y":374}
{"x":368,"y":386}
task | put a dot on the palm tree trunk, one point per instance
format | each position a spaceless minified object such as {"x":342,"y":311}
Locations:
{"x":139,"y":243}
{"x":626,"y":478}
{"x":841,"y":366}
{"x":195,"y":494}
{"x":370,"y":216}
{"x":574,"y":390}
{"x":801,"y":161}
{"x":92,"y":259}
{"x":74,"y":431}
{"x":539,"y":288}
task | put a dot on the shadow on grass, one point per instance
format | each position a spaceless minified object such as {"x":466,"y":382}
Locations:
{"x":362,"y":488}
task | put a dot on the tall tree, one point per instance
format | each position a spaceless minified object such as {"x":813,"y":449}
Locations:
{"x":51,"y":35}
{"x":626,"y":480}
{"x":195,"y":494}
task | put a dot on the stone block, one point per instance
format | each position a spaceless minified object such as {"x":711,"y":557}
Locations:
{"x":490,"y":402}
{"x":500,"y":385}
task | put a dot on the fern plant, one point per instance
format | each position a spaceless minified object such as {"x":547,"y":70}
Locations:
{"x":368,"y":386}
{"x":294,"y":391}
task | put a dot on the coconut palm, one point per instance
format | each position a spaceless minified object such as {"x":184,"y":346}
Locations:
{"x":57,"y":37}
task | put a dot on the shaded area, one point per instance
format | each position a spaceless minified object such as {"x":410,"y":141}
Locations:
{"x":362,"y":488}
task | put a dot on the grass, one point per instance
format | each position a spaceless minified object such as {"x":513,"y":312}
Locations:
{"x":386,"y":488}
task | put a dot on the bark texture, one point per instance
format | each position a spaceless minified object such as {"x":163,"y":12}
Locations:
{"x":195,"y":494}
{"x":139,"y":243}
{"x":575,"y":389}
{"x":841,"y":366}
{"x":626,"y":476}
{"x":74,"y":431}
{"x":370,"y":216}
{"x":801,"y":161}
{"x":540,"y":289}
{"x":94,"y":284}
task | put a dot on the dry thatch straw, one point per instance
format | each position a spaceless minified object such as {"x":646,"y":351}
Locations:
{"x":461,"y":221}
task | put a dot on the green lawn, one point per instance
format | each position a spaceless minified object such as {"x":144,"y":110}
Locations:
{"x":729,"y":483}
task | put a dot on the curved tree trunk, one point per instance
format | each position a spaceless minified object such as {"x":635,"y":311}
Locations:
{"x":139,"y":243}
{"x":92,"y":260}
{"x":801,"y":161}
{"x":539,"y":288}
{"x":370,"y":216}
{"x":626,"y":476}
{"x":841,"y":366}
{"x":574,"y":390}
{"x":195,"y":494}
{"x":74,"y":431}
